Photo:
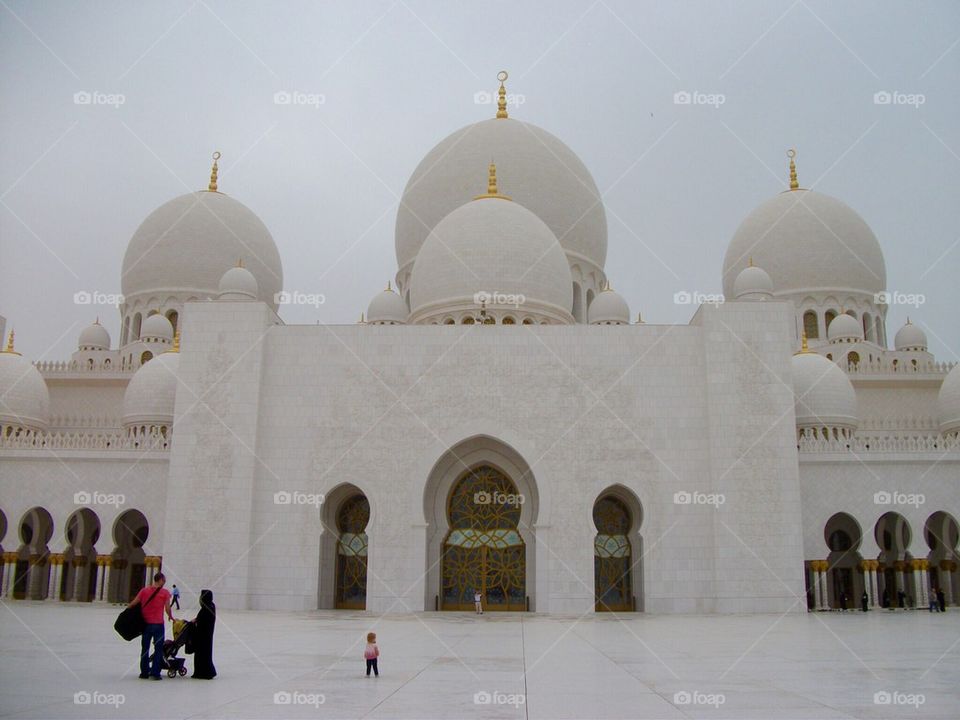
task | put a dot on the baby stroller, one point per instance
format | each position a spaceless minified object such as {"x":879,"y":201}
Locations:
{"x":173,"y":664}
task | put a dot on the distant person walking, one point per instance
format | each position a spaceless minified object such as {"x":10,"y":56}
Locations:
{"x":203,"y":668}
{"x":901,"y":598}
{"x":863,"y":601}
{"x":153,"y":600}
{"x":942,"y":600}
{"x":932,"y":606}
{"x":843,"y":601}
{"x":175,"y":597}
{"x":371,"y":653}
{"x":478,"y":602}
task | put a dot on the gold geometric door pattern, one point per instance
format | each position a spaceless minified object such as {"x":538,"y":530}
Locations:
{"x":611,"y":556}
{"x":483,"y":549}
{"x":352,"y":519}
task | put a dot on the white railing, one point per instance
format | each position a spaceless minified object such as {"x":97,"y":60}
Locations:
{"x":82,"y":441}
{"x":903,"y":367}
{"x":864,"y":444}
{"x":72,"y":367}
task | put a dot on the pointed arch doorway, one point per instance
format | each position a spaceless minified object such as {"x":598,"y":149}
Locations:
{"x":483,"y":550}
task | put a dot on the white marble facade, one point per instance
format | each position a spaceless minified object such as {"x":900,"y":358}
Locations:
{"x":731,"y":445}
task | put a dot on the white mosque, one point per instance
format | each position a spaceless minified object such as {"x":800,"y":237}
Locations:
{"x":496,"y":423}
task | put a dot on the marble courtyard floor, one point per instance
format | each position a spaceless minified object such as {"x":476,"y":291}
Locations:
{"x":65,"y":661}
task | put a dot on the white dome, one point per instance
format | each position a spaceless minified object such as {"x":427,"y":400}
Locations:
{"x":184,"y":245}
{"x":237,"y":283}
{"x":910,"y":337}
{"x":387,"y":307}
{"x":844,"y":327}
{"x":807,"y":241}
{"x":26,"y":399}
{"x":823,"y":394}
{"x":497,"y":247}
{"x":150,"y":395}
{"x":948,"y":401}
{"x":156,"y":326}
{"x":753,"y":283}
{"x":538,"y":171}
{"x":94,"y":337}
{"x":608,"y":308}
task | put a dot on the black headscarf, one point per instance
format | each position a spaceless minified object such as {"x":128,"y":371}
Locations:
{"x":203,"y":637}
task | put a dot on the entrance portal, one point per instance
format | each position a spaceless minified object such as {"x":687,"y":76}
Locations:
{"x":483,"y":550}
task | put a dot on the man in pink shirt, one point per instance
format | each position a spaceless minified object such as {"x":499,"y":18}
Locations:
{"x":153,"y":601}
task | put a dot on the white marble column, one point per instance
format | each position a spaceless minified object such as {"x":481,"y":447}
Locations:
{"x":874,"y":587}
{"x":56,"y":570}
{"x":821,"y":586}
{"x":101,"y":579}
{"x":946,"y":583}
{"x":923,"y":589}
{"x":9,"y":572}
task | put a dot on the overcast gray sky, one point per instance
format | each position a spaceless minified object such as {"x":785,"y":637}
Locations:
{"x":76,"y":180}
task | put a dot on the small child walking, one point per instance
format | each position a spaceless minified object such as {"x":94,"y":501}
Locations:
{"x":371,"y":654}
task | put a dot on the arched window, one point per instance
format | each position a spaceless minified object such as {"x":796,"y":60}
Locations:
{"x":468,"y":320}
{"x":528,"y":321}
{"x":146,"y":357}
{"x":174,"y":317}
{"x":352,"y":520}
{"x":508,"y":321}
{"x":449,"y":321}
{"x":853,"y":358}
{"x":135,"y":330}
{"x":810,"y":325}
{"x":828,"y":317}
{"x":612,"y":556}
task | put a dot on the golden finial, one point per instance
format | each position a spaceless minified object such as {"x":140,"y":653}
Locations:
{"x":176,"y":342}
{"x":502,"y":95}
{"x":908,"y":320}
{"x":97,"y":321}
{"x":240,"y":262}
{"x":794,"y":185}
{"x":750,"y":262}
{"x":212,"y":187}
{"x":804,"y":348}
{"x":361,"y":321}
{"x":639,"y":318}
{"x":10,"y":349}
{"x":492,"y":191}
{"x":389,"y":289}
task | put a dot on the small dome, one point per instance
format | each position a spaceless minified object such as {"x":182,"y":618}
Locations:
{"x":94,"y":337}
{"x":753,"y":283}
{"x":823,"y":394}
{"x":807,"y":241}
{"x":387,"y":308}
{"x":844,"y":328}
{"x":910,"y":337}
{"x":608,"y":308}
{"x":150,"y":395}
{"x":948,"y":402}
{"x":238,"y":283}
{"x":157,"y":327}
{"x":494,"y":249}
{"x":26,"y":399}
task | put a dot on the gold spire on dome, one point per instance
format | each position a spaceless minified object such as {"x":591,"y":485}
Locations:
{"x":639,"y":318}
{"x":240,"y":262}
{"x":9,"y":349}
{"x":492,"y":191}
{"x":794,"y":185}
{"x":750,"y":262}
{"x":176,"y":342}
{"x":389,"y":289}
{"x":804,"y":348}
{"x":502,"y":95}
{"x":212,"y":187}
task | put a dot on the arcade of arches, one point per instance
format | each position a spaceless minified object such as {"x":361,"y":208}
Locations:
{"x":895,"y":578}
{"x":78,"y":572}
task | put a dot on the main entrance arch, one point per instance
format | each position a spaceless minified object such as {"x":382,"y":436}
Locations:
{"x":474,"y":545}
{"x":483,"y":551}
{"x":351,"y":583}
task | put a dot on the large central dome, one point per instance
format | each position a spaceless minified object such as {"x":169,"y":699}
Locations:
{"x":538,"y":171}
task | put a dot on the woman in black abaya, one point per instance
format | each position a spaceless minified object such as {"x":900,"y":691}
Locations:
{"x":203,"y":668}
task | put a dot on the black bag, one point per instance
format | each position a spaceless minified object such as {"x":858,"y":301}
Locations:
{"x":130,"y":623}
